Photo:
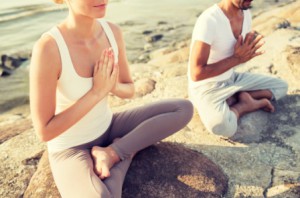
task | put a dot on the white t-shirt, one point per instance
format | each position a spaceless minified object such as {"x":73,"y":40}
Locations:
{"x":213,"y":27}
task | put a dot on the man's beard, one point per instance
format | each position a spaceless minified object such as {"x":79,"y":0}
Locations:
{"x":242,"y":7}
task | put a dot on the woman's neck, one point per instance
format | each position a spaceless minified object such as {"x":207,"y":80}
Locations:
{"x":82,"y":28}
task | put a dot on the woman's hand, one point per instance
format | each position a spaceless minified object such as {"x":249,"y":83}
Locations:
{"x":247,"y":49}
{"x":105,"y":73}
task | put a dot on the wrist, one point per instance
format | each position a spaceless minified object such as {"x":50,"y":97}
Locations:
{"x":116,"y":88}
{"x":235,"y":60}
{"x":96,"y":94}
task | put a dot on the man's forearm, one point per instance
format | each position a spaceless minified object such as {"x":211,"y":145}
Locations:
{"x":215,"y":69}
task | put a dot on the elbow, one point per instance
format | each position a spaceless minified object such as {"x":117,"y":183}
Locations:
{"x":131,"y":93}
{"x":197,"y":74}
{"x":42,"y":134}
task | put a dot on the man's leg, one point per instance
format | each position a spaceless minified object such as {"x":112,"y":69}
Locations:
{"x":246,"y":104}
{"x":260,"y":86}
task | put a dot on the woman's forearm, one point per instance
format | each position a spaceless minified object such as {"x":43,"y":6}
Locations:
{"x":67,"y":118}
{"x":124,"y":90}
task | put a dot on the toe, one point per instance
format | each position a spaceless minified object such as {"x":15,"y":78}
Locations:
{"x":105,"y":172}
{"x":98,"y":171}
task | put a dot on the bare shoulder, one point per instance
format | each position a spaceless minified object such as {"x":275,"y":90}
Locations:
{"x":46,"y":45}
{"x":46,"y":53}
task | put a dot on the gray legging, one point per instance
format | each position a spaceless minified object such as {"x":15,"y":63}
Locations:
{"x":138,"y":128}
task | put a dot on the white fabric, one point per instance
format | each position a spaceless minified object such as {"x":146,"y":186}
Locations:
{"x":213,"y":27}
{"x":72,"y":87}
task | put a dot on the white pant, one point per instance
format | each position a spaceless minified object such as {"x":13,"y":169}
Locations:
{"x":210,"y":99}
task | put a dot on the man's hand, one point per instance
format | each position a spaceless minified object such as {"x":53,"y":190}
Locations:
{"x":247,"y":49}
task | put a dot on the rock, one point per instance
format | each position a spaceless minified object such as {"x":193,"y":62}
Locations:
{"x":267,"y":22}
{"x":154,"y":38}
{"x":178,"y":56}
{"x":160,"y":52}
{"x":144,"y":86}
{"x":148,"y":46}
{"x":162,"y":23}
{"x":175,"y":87}
{"x":5,"y":71}
{"x":11,"y":129}
{"x":284,"y":24}
{"x":251,"y":127}
{"x":42,"y":182}
{"x":19,"y":156}
{"x":170,"y":170}
{"x":175,"y":70}
{"x":293,"y":58}
{"x":144,"y":58}
{"x":11,"y":62}
{"x":146,"y":32}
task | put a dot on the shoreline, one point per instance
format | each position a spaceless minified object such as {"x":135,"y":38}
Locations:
{"x":166,"y":29}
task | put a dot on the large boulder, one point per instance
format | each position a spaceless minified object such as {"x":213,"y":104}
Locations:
{"x":42,"y":183}
{"x":170,"y":170}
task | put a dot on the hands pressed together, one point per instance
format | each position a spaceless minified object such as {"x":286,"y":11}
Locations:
{"x":245,"y":50}
{"x":106,"y":73}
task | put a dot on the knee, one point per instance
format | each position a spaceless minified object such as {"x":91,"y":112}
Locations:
{"x":222,"y":126}
{"x":186,"y":110}
{"x":281,"y":90}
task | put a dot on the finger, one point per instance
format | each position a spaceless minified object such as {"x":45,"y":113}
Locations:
{"x":249,"y":38}
{"x":110,"y":63}
{"x":96,"y":68}
{"x":102,"y":59}
{"x":238,"y":42}
{"x":257,"y":47}
{"x":257,"y":40}
{"x":257,"y":54}
{"x":115,"y":72}
{"x":105,"y":61}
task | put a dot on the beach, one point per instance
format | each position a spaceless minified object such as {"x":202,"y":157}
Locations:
{"x":262,"y":160}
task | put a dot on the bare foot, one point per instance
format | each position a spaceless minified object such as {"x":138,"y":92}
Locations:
{"x":104,"y":158}
{"x":247,"y":104}
{"x":269,"y":107}
{"x":231,"y":100}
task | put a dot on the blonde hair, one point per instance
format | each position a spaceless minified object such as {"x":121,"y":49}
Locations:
{"x":58,"y":1}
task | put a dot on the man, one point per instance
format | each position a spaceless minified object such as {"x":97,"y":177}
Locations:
{"x":222,"y":39}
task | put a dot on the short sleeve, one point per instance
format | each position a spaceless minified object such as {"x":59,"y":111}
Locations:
{"x":204,"y":29}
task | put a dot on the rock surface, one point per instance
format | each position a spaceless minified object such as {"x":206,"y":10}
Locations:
{"x":180,"y":172}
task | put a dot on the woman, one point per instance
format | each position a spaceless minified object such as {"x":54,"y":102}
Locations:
{"x":74,"y":67}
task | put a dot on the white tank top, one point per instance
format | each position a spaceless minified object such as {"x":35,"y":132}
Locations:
{"x":70,"y":88}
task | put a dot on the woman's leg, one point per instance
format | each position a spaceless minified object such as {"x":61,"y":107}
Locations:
{"x":139,"y":128}
{"x":74,"y":176}
{"x":144,"y":126}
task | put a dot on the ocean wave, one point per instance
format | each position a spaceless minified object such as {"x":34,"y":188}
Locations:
{"x":25,"y":11}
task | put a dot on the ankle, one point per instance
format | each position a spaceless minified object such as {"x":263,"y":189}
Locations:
{"x":113,"y":154}
{"x":236,"y":112}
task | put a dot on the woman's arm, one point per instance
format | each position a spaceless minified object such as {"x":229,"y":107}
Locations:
{"x":45,"y":69}
{"x":124,"y":87}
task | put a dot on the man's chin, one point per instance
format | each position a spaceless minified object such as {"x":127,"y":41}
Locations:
{"x":246,"y":5}
{"x":246,"y":8}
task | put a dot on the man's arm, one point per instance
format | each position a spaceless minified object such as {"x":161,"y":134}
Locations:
{"x":243,"y":52}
